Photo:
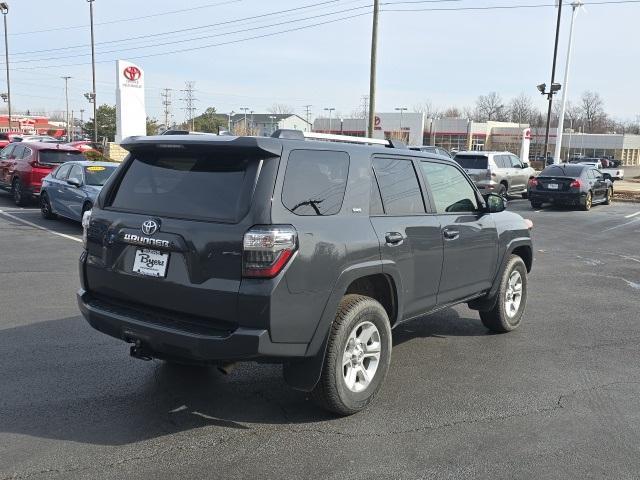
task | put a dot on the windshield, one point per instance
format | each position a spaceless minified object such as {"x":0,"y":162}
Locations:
{"x":58,"y":156}
{"x":199,"y":185}
{"x":472,"y":162}
{"x":97,"y":175}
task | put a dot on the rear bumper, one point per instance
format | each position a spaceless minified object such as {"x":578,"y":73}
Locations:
{"x":165,"y":341}
{"x":565,"y":198}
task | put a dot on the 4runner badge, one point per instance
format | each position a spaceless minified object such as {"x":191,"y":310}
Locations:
{"x":149,"y":227}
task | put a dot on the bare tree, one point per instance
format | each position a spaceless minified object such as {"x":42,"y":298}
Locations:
{"x":452,"y":112}
{"x":521,"y":109}
{"x":592,"y":109}
{"x":281,"y":108}
{"x":490,"y":107}
{"x":427,"y":108}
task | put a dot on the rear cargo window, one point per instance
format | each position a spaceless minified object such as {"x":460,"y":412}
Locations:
{"x":58,"y":156}
{"x":207,"y":186}
{"x":472,"y":162}
{"x":562,"y":171}
{"x":315,"y":181}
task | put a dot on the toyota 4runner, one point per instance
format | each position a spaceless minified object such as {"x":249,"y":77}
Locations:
{"x":213,"y":250}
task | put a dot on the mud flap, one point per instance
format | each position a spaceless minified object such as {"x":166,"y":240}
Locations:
{"x":304,"y":374}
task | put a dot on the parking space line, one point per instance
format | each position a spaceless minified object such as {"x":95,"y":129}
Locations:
{"x":39,"y":227}
{"x":632,"y":215}
{"x":622,"y":225}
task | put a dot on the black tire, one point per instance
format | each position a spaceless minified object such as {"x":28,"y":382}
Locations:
{"x":502,"y":190}
{"x":20,"y":198}
{"x":45,"y":207}
{"x":332,"y":392}
{"x":588,"y":202}
{"x":536,"y":205}
{"x":607,"y":199}
{"x":498,"y":319}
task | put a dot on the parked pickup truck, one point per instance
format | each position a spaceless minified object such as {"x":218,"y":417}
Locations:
{"x":616,"y":172}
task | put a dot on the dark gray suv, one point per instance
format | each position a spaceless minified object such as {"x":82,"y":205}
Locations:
{"x":212,"y":250}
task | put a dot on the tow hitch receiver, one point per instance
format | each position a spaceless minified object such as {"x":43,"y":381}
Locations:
{"x":138,"y":351}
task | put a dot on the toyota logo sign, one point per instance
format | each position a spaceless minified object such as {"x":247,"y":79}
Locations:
{"x":132,"y":73}
{"x":149,"y":227}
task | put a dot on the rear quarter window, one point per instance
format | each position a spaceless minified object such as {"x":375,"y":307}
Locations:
{"x":315,"y":182}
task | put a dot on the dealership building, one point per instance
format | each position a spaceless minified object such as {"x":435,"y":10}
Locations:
{"x":461,"y":134}
{"x":29,"y":125}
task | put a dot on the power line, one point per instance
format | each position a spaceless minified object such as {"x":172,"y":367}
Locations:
{"x":192,"y":39}
{"x":130,"y":19}
{"x":308,"y":112}
{"x":189,"y":101}
{"x":493,"y":7}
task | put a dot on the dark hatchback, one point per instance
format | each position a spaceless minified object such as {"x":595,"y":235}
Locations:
{"x":569,"y":184}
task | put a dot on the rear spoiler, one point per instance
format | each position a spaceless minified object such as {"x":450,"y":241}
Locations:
{"x":257,"y":145}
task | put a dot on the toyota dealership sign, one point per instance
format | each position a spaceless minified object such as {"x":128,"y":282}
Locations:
{"x":131,"y":116}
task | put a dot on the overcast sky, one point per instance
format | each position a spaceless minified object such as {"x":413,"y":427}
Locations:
{"x":447,"y":57}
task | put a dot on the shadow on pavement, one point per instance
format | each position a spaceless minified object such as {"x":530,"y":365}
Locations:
{"x":62,"y":380}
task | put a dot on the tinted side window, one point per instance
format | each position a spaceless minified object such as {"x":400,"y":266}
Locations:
{"x":27,"y":152}
{"x":61,"y":173}
{"x":591,"y":174}
{"x":6,"y":151}
{"x":19,"y":150}
{"x":450,"y":189}
{"x":76,"y":172}
{"x":399,"y":186}
{"x":515,"y":161}
{"x":375,"y":204}
{"x":501,"y":161}
{"x":315,"y":181}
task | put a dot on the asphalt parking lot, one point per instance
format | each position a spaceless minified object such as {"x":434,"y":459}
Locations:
{"x":557,"y":398}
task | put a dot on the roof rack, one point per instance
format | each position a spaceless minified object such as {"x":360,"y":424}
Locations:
{"x":330,"y":137}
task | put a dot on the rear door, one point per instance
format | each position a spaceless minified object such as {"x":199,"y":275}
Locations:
{"x":74,"y":196}
{"x":169,"y":232}
{"x":519,"y":176}
{"x":469,"y":235}
{"x":58,"y":186}
{"x":5,"y":159}
{"x":409,"y":237}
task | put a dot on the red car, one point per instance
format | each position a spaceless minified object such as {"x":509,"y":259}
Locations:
{"x":23,"y":165}
{"x":7,"y":137}
{"x":84,"y":146}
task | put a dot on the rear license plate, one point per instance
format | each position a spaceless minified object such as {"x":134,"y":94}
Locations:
{"x":150,"y":262}
{"x":552,"y":186}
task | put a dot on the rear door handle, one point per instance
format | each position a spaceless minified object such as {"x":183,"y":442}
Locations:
{"x":450,"y":234}
{"x":394,"y":238}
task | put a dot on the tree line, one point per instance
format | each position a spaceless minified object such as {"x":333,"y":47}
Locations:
{"x":587,"y":114}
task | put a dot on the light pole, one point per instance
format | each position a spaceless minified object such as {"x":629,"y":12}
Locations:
{"x":245,"y":110}
{"x":81,"y":124}
{"x":542,"y":88}
{"x":570,"y":135}
{"x":230,"y":114}
{"x":553,"y":79}
{"x":4,"y":8}
{"x":253,"y":125}
{"x":93,"y":71}
{"x":66,"y":96}
{"x":401,"y":110}
{"x":563,"y":106}
{"x":272,"y":117}
{"x":330,"y":110}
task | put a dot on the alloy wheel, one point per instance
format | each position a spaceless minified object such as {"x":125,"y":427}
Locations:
{"x":513,"y":295}
{"x":361,"y":356}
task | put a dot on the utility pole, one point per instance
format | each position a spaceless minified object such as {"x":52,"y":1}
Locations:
{"x":308,"y":112}
{"x":81,"y":124}
{"x":563,"y":106}
{"x":66,"y":96}
{"x":73,"y":126}
{"x":93,"y":71}
{"x":330,"y":110}
{"x":245,"y":110}
{"x":166,"y":103}
{"x":553,"y":79}
{"x":189,"y":101}
{"x":372,"y":75}
{"x":4,"y":8}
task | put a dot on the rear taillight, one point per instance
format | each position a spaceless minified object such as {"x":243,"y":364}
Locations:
{"x":575,"y":184}
{"x":266,"y":250}
{"x":86,"y":220}
{"x":533,"y":182}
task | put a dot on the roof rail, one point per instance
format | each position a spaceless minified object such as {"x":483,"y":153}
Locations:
{"x":299,"y":135}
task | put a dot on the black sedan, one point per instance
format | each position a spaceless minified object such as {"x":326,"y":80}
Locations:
{"x":569,"y":184}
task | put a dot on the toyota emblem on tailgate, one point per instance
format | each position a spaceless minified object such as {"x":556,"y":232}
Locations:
{"x":149,"y":227}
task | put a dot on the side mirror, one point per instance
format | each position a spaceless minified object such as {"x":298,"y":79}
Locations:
{"x":74,"y":181}
{"x":495,"y":203}
{"x":525,"y":165}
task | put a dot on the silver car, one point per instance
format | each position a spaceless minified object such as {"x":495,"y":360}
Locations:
{"x":497,"y":172}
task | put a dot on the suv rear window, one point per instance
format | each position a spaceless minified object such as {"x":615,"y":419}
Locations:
{"x":315,"y":181}
{"x":58,"y":156}
{"x":472,"y":162}
{"x":198,"y":185}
